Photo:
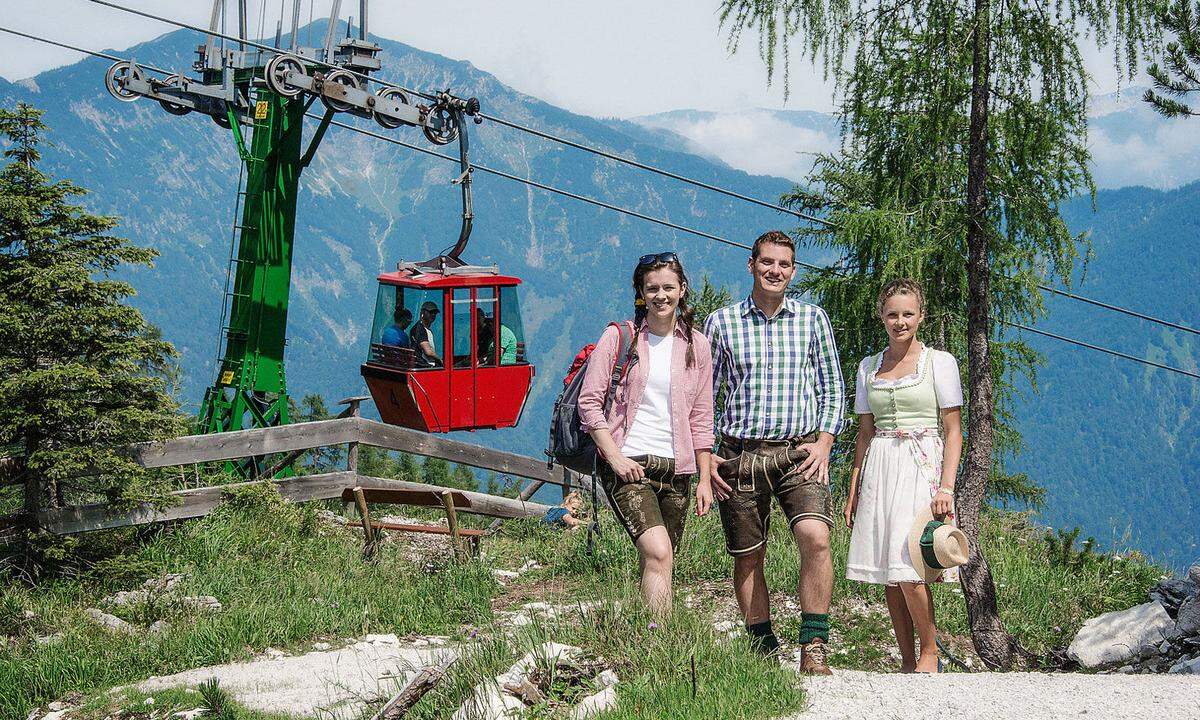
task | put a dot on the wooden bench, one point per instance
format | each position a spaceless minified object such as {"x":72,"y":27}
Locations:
{"x":449,"y":500}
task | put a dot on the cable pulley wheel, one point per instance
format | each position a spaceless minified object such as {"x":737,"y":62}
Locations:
{"x":174,"y":81}
{"x":117,"y":75}
{"x":221,"y":120}
{"x":400,"y":97}
{"x":277,"y":71}
{"x":339,"y":77}
{"x":447,"y":132}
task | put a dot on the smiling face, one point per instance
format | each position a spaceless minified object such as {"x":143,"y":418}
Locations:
{"x":662,"y":289}
{"x":773,"y":268}
{"x":902,"y":316}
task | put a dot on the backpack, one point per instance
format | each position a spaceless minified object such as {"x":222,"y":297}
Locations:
{"x":570,"y":446}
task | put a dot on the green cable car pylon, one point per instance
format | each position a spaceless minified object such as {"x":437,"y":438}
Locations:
{"x":269,"y":90}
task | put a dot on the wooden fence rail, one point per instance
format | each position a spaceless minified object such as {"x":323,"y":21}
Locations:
{"x":291,"y":440}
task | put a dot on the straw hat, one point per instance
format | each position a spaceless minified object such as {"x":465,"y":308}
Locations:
{"x":935,"y":546}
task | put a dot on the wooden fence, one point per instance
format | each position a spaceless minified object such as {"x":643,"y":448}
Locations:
{"x":291,"y":441}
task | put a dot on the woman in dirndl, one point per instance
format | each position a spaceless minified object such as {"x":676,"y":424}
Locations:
{"x":908,"y":400}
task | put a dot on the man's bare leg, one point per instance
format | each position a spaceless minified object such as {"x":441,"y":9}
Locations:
{"x":750,"y":587}
{"x":816,"y":565}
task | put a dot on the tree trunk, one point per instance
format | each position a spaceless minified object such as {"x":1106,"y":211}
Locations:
{"x":993,"y":643}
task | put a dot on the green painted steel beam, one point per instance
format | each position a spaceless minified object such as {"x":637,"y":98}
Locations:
{"x":251,"y":389}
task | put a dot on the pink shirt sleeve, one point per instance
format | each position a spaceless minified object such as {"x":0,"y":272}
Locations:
{"x":701,"y":417}
{"x":596,"y":378}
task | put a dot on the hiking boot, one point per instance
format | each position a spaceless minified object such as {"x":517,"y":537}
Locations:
{"x":813,"y":657}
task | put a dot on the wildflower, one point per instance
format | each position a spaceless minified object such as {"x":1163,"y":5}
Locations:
{"x":652,"y":626}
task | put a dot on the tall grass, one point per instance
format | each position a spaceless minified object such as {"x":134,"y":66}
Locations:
{"x":281,"y":580}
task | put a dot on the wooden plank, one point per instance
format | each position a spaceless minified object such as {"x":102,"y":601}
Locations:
{"x":480,"y":503}
{"x":393,"y":496}
{"x":415,"y":689}
{"x":363,"y":512}
{"x":186,"y":504}
{"x":200,"y":502}
{"x":398,"y":438}
{"x":428,"y":529}
{"x":245,"y":443}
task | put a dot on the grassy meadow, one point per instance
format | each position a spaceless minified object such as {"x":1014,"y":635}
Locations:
{"x":287,"y":579}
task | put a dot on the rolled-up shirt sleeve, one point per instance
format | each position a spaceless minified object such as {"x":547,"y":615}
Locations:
{"x":596,"y":377}
{"x":701,"y":417}
{"x":831,"y":391}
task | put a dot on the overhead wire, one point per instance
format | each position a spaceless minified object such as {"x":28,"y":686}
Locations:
{"x":626,"y":211}
{"x":649,"y":168}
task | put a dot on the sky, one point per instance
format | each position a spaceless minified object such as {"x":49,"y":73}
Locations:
{"x":620,"y":58}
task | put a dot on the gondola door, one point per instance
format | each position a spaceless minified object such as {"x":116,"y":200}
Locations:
{"x":462,"y":344}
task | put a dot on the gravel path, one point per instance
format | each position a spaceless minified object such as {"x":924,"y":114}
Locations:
{"x":326,"y":684}
{"x":850,"y":695}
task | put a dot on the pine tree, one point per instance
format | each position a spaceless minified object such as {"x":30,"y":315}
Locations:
{"x":1181,"y":76}
{"x":462,"y":478}
{"x":964,"y":128}
{"x":435,"y":471}
{"x":81,"y":372}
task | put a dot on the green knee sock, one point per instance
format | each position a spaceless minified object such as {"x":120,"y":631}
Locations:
{"x":812,"y":626}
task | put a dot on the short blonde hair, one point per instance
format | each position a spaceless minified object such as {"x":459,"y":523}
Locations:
{"x":900,"y":286}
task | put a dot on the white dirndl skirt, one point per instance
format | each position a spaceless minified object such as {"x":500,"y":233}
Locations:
{"x":900,"y":475}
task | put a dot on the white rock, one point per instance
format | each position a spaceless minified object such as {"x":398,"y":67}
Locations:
{"x":595,"y":704}
{"x":49,"y":639}
{"x":505,"y":575}
{"x":271,"y":654}
{"x":110,"y":622}
{"x":163,"y":584}
{"x":725,"y":626}
{"x":58,"y":705}
{"x":207,"y":603}
{"x":1118,"y":636}
{"x":321,"y":646}
{"x":57,"y":715}
{"x":128,"y":597}
{"x":34,"y":714}
{"x":192,"y":714}
{"x":607,"y":679}
{"x":382,"y":639}
{"x":159,"y":627}
{"x":489,"y":702}
{"x":1186,"y":667}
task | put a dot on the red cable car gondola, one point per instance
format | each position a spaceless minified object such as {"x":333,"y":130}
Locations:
{"x":447,"y":347}
{"x":465,"y":366}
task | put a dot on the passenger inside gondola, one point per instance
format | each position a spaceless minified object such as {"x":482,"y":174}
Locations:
{"x":396,"y":334}
{"x":422,"y":336}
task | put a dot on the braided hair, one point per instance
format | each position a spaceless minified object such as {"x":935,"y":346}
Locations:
{"x":684,"y":314}
{"x":900,"y":286}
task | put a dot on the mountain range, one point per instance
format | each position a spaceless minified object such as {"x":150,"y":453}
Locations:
{"x":1114,"y":443}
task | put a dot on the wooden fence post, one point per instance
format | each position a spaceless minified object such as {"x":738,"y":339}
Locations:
{"x":353,"y":411}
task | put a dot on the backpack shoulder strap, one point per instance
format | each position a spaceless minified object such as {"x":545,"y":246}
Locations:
{"x":621,"y":359}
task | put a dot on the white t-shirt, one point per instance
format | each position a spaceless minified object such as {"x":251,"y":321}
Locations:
{"x":650,"y":433}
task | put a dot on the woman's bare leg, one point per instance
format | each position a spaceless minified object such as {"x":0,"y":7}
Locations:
{"x":902,"y":624}
{"x":656,"y":560}
{"x":919,"y":597}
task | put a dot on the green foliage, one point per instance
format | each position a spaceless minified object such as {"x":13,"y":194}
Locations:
{"x":435,"y":471}
{"x":81,"y":372}
{"x":217,"y":703}
{"x":1061,"y":550}
{"x":311,"y":408}
{"x":709,"y":299}
{"x":1181,"y":76}
{"x":280,"y":587}
{"x":896,"y":189}
{"x":463,"y":478}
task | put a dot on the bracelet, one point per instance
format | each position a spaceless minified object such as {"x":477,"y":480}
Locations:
{"x":948,"y":491}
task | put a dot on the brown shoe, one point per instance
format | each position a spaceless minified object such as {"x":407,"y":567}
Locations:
{"x":813,"y":658}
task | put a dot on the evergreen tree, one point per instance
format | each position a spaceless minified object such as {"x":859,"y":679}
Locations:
{"x":435,"y":471}
{"x":312,"y":408}
{"x":462,"y":478}
{"x":1181,"y":76}
{"x":964,"y":127}
{"x":493,"y":483}
{"x":81,"y":372}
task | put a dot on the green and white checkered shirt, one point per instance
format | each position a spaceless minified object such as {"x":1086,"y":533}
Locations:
{"x":781,"y":375}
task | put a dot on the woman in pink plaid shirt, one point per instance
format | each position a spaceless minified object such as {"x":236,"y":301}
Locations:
{"x":659,"y":431}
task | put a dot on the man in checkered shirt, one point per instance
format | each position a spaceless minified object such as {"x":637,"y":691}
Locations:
{"x":775,"y":363}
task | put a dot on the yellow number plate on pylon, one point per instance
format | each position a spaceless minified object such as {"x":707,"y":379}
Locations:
{"x":260,"y":110}
{"x":227,"y":377}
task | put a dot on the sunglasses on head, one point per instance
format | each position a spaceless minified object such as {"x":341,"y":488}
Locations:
{"x":658,"y":257}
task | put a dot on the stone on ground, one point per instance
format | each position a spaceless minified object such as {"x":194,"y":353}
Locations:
{"x":332,"y":684}
{"x":1118,"y":636}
